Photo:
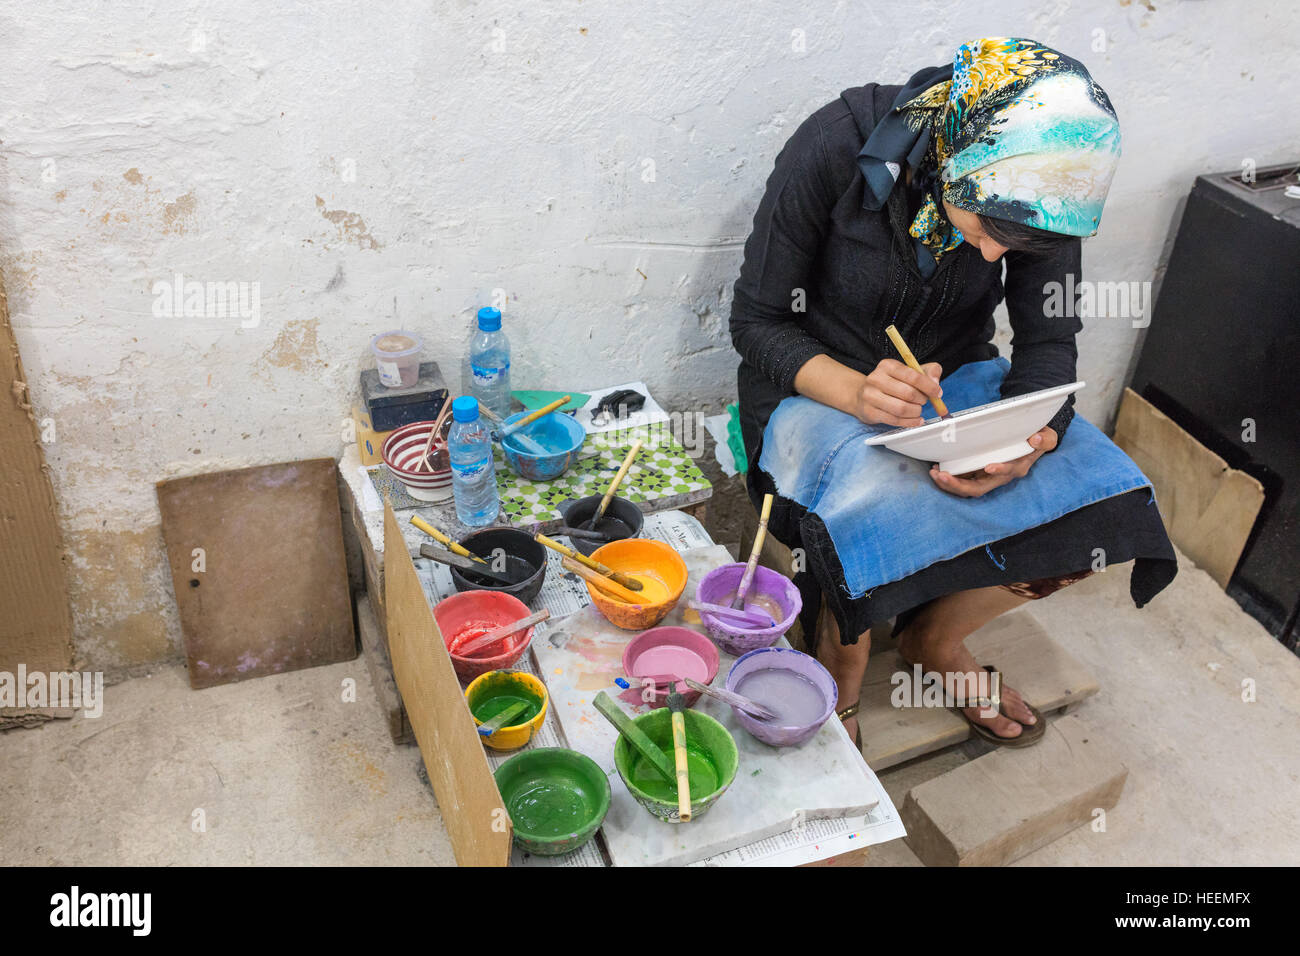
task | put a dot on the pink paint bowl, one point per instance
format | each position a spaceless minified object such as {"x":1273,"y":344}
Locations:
{"x":797,"y":687}
{"x":769,"y":588}
{"x":478,"y":609}
{"x":402,"y":451}
{"x":671,"y":650}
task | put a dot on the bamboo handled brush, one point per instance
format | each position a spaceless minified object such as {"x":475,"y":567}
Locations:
{"x":914,"y":365}
{"x":613,"y":485}
{"x":433,"y":434}
{"x":738,"y":602}
{"x":441,"y":538}
{"x":629,"y":582}
{"x":677,"y":706}
{"x":600,"y":582}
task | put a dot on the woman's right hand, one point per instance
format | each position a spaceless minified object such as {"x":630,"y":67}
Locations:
{"x":892,"y":394}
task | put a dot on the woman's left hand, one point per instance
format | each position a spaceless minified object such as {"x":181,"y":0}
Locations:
{"x":981,"y":482}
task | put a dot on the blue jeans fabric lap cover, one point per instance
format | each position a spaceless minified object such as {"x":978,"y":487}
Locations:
{"x":885,"y":516}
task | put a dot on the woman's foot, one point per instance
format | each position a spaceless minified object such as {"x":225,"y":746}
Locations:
{"x":1013,"y":719}
{"x":1015,"y":715}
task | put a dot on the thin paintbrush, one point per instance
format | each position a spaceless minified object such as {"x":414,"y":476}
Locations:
{"x":677,"y":707}
{"x":738,"y":602}
{"x":914,"y":365}
{"x":629,"y":582}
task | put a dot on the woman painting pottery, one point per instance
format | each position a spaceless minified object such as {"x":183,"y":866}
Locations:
{"x":902,"y":205}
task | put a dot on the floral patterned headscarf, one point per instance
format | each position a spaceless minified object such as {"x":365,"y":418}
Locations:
{"x":1012,"y":130}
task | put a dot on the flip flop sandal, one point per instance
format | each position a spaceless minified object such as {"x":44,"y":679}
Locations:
{"x":1029,"y":735}
{"x":845,"y":714}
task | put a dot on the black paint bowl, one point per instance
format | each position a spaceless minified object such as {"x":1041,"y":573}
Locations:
{"x":522,"y":553}
{"x":622,"y":520}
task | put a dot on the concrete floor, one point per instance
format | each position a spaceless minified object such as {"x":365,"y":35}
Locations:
{"x":286,"y":772}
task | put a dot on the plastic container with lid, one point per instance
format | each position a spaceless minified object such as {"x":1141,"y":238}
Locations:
{"x":397,"y":356}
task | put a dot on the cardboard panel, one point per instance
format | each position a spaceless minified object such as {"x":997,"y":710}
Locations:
{"x":1208,"y":508}
{"x":258,"y":568}
{"x":36,"y":626}
{"x":472,"y":809}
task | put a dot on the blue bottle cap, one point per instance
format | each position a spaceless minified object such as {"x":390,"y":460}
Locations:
{"x":489,"y":319}
{"x":464,"y":408}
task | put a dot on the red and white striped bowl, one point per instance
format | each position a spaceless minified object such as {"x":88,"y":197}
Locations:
{"x":401,"y":452}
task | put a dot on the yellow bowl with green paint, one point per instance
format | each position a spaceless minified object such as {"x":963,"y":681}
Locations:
{"x":490,"y":693}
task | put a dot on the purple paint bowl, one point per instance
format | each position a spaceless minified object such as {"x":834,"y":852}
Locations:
{"x":773,"y":732}
{"x":720,"y":583}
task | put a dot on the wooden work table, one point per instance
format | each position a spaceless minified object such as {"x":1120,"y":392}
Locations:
{"x":819,"y":803}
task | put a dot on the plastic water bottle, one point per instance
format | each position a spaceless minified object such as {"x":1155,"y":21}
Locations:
{"x":473,"y":476}
{"x":489,"y":363}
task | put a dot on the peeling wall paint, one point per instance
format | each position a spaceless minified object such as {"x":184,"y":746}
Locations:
{"x":370,"y":165}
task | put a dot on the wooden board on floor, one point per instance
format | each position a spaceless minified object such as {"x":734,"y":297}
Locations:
{"x":375,"y":648}
{"x":472,"y":810}
{"x":36,"y":627}
{"x":258,"y":568}
{"x":1049,"y":677}
{"x":1006,"y":804}
{"x":1208,"y":508}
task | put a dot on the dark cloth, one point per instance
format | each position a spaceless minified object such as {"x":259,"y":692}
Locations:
{"x":855,"y":272}
{"x":897,"y":143}
{"x":1125,"y":528}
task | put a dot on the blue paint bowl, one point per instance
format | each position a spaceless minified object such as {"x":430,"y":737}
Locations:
{"x":560,"y":434}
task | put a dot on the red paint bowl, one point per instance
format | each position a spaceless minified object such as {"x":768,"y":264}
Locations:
{"x":402,"y":451}
{"x":672,"y":650}
{"x":495,"y":608}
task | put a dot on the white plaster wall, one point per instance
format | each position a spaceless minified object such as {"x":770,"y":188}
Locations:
{"x":381,"y":164}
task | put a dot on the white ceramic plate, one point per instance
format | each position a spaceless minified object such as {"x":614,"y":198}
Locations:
{"x":968,"y":440}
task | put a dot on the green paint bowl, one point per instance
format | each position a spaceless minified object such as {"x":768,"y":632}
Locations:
{"x":557,"y":799}
{"x":712,"y":759}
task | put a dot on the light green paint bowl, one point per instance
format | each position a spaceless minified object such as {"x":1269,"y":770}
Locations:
{"x":712,"y":760}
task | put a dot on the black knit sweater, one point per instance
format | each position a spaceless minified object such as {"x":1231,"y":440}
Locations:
{"x":852,"y":271}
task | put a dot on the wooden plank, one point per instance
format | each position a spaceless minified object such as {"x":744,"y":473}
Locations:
{"x":375,"y":648}
{"x":258,"y":569}
{"x":1049,"y":677}
{"x":472,"y":809}
{"x":1006,"y":804}
{"x":36,"y":626}
{"x":371,"y":563}
{"x":1208,"y":508}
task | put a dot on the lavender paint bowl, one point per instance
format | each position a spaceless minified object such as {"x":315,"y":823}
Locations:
{"x":720,"y":584}
{"x":773,"y":732}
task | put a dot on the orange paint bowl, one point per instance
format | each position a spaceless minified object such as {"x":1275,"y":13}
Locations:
{"x":657,"y":563}
{"x":494,"y":608}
